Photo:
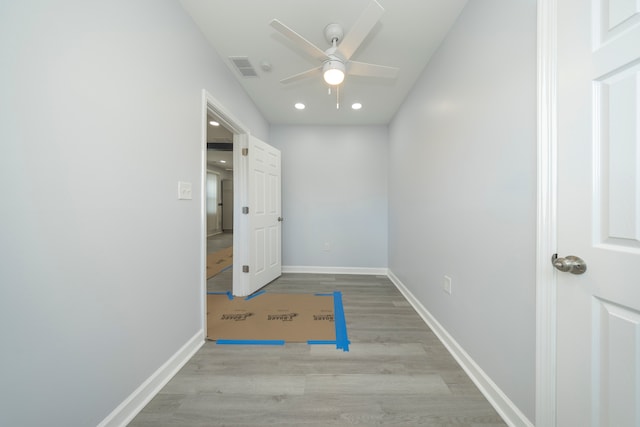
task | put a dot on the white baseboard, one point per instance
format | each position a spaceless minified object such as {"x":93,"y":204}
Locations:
{"x":132,"y":405}
{"x":501,"y":403}
{"x":335,"y":270}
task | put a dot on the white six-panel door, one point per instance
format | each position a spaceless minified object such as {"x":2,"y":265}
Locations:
{"x":264,"y":195}
{"x":598,"y":335}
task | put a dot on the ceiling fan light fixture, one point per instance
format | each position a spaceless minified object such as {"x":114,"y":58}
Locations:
{"x":333,"y":72}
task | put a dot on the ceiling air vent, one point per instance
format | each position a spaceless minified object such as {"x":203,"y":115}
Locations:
{"x":243,"y":66}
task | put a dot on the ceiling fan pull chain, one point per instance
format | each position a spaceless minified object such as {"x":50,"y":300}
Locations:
{"x":337,"y":97}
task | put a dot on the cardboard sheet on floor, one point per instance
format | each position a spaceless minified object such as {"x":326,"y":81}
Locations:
{"x":273,"y":318}
{"x":218,"y":261}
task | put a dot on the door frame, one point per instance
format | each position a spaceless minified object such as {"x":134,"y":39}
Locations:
{"x":240,"y":189}
{"x":546,"y":233}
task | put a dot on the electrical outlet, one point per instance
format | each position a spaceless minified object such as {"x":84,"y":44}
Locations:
{"x":446,"y":285}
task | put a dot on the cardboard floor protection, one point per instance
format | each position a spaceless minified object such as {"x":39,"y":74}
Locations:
{"x":267,"y":317}
{"x":218,"y":261}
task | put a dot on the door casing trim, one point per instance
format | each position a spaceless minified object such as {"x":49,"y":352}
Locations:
{"x":546,"y":233}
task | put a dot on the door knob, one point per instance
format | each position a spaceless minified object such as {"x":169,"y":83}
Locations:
{"x":280,"y":219}
{"x":571,"y":264}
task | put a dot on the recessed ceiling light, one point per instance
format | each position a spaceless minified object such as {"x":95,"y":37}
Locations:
{"x":299,"y":106}
{"x":214,"y":123}
{"x":356,"y":106}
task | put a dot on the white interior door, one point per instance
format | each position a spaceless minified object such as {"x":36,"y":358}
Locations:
{"x":264,"y":216}
{"x":598,"y":330}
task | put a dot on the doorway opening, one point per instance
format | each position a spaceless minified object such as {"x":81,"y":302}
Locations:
{"x":234,"y":224}
{"x":255,"y":232}
{"x":219,"y":203}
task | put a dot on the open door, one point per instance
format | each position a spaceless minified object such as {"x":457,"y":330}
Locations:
{"x":260,"y":261}
{"x":598,"y":306}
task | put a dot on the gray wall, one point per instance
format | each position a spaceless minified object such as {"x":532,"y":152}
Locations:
{"x":100,"y":117}
{"x":462,"y":190}
{"x":334,"y":189}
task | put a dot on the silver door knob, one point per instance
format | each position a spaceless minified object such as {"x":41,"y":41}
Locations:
{"x":571,"y":264}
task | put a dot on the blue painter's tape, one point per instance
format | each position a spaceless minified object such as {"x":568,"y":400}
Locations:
{"x":254,"y":295}
{"x":342,"y":339}
{"x":228,"y":294}
{"x":250,"y":342}
{"x":341,"y":342}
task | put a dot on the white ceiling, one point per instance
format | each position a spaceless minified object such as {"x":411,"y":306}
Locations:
{"x":406,"y":36}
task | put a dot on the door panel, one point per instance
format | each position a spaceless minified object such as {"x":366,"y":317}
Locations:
{"x":617,"y":345}
{"x":616,"y":113}
{"x":598,"y":336}
{"x":264,"y":197}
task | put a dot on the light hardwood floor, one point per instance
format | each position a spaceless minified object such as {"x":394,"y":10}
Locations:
{"x":396,"y":373}
{"x":219,"y":241}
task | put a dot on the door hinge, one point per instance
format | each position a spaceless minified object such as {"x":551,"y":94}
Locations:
{"x":245,"y":268}
{"x":245,"y":151}
{"x":245,"y":210}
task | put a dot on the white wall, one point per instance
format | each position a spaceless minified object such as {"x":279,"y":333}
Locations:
{"x":334,"y":190}
{"x":462,"y":190}
{"x":100,"y":116}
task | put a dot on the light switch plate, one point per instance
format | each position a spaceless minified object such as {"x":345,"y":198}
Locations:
{"x":446,"y":285}
{"x":184,"y":191}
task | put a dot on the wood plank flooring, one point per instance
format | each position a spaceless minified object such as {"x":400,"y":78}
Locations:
{"x":219,"y":241}
{"x":396,"y":373}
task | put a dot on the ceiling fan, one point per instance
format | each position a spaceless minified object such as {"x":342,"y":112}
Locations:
{"x":336,"y":60}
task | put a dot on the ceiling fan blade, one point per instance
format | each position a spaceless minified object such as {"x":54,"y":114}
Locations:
{"x":363,"y":26}
{"x":304,"y":44}
{"x":303,"y":75}
{"x":356,"y":68}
